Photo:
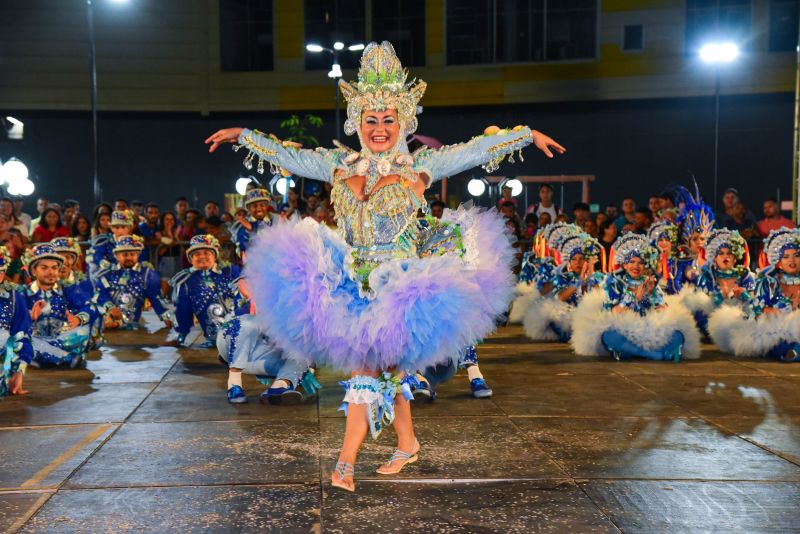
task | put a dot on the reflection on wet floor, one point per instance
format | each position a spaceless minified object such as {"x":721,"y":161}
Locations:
{"x":142,"y":440}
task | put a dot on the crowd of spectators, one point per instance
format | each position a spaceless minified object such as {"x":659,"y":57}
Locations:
{"x":166,"y":231}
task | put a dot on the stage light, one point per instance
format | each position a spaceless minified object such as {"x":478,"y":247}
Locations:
{"x":280,"y":185}
{"x":14,"y":172}
{"x":242,"y":183}
{"x":515,"y":185}
{"x":719,"y":52}
{"x":314,"y":48}
{"x":476,"y":187}
{"x":356,"y":47}
{"x":338,"y":45}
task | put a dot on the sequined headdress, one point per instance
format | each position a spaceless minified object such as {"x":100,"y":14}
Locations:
{"x":203,"y":242}
{"x":129,"y":243}
{"x":43,"y":251}
{"x":5,"y":259}
{"x":695,"y":217}
{"x":122,"y":218}
{"x":382,"y":85}
{"x":582,"y":243}
{"x":724,"y":238}
{"x":779,"y":241}
{"x":67,"y":245}
{"x":631,"y":246}
{"x":663,"y":230}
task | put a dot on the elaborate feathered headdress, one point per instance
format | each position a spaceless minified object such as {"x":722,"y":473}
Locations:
{"x":778,"y":241}
{"x":382,"y":85}
{"x":631,"y":246}
{"x":695,"y":216}
{"x":725,"y":238}
{"x":663,"y":230}
{"x":582,"y":243}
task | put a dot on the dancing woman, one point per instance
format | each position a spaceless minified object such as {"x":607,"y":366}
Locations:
{"x":386,"y":295}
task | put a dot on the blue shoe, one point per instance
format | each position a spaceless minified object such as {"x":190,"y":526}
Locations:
{"x":792,"y":355}
{"x":424,"y":392}
{"x":236,"y":395}
{"x":480,"y":390}
{"x":207,"y":344}
{"x":276,"y":396}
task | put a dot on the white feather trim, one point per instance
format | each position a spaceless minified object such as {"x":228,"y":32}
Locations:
{"x":526,"y":294}
{"x":753,"y":336}
{"x":692,"y":299}
{"x":544,"y":311}
{"x":651,"y":332}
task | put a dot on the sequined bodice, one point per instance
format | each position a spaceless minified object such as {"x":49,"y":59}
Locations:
{"x":6,"y":307}
{"x":379,"y":221}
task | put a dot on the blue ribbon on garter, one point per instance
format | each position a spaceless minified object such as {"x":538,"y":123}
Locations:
{"x":310,"y":383}
{"x":384,"y":406}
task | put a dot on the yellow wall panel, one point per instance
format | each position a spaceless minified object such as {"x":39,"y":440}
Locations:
{"x":289,"y":29}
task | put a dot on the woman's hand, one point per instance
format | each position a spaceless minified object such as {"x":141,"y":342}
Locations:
{"x":227,"y":135}
{"x":542,"y":142}
{"x":73,"y":321}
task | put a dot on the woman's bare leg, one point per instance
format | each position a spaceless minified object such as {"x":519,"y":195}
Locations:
{"x":355,"y":431}
{"x":403,"y":424}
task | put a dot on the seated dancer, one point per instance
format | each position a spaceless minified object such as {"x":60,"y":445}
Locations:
{"x":696,"y":220}
{"x":60,"y":315}
{"x":721,"y":281}
{"x":434,"y":375}
{"x":550,"y":318}
{"x":384,"y":296}
{"x":256,"y":200}
{"x":629,"y":317}
{"x":123,"y":287}
{"x":206,"y":291}
{"x":101,"y":254}
{"x":664,"y":236}
{"x":246,"y":349}
{"x":773,"y":326}
{"x":70,"y":273}
{"x":15,"y":332}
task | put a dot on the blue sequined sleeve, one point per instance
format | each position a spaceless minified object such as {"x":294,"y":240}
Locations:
{"x":184,"y":317}
{"x":486,"y":150}
{"x":21,"y":322}
{"x":314,"y":164}
{"x":613,"y":292}
{"x":768,"y":294}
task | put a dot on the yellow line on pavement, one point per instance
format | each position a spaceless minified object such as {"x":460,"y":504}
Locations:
{"x":64,"y":456}
{"x":16,"y":525}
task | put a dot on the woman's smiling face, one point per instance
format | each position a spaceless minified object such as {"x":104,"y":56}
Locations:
{"x":380,"y":129}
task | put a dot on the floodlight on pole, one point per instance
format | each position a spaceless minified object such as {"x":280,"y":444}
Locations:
{"x":718,"y":54}
{"x":338,"y":45}
{"x":515,"y":185}
{"x":356,"y":47}
{"x":17,"y":129}
{"x":336,"y":71}
{"x":314,"y":48}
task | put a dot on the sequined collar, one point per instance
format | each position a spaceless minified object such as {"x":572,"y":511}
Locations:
{"x":790,"y":279}
{"x":727,"y":273}
{"x":635,"y":282}
{"x":215,"y":269}
{"x":34,"y":287}
{"x":137,"y":267}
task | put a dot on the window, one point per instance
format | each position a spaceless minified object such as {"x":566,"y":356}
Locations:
{"x":402,"y":23}
{"x":245,"y":35}
{"x":490,"y":31}
{"x":717,"y":20}
{"x":783,"y":23}
{"x":634,"y":38}
{"x":328,"y":21}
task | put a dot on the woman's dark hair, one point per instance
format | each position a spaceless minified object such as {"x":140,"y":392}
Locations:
{"x":78,"y":218}
{"x":96,"y":225}
{"x":103,"y":206}
{"x":515,"y":224}
{"x":163,"y":215}
{"x":43,"y":220}
{"x":531,"y":218}
{"x":605,"y":226}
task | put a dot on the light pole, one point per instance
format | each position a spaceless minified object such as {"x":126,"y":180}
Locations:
{"x":93,"y":94}
{"x":717,"y":54}
{"x":336,"y":69}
